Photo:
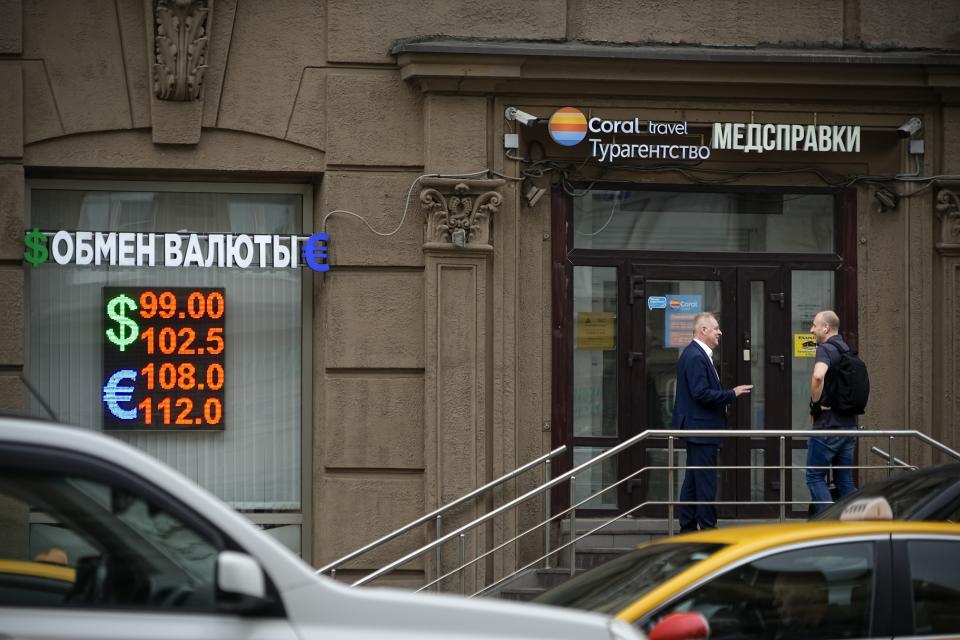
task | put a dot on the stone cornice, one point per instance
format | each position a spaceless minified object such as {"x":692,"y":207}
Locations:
{"x":467,"y":65}
{"x":751,"y":55}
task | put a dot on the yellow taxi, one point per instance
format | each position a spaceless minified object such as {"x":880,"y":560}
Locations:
{"x":879,"y":579}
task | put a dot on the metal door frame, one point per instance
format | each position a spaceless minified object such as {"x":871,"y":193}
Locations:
{"x":563,"y":258}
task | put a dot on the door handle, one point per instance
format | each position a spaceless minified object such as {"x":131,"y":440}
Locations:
{"x":633,"y":356}
{"x":780,"y":360}
{"x":636,"y":288}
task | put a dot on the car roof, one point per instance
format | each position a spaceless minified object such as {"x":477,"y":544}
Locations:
{"x":927,"y":492}
{"x":775,"y":534}
{"x":743,"y":542}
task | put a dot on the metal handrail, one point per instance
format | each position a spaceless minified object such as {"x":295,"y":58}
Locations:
{"x":886,"y":456}
{"x":550,"y":552}
{"x":614,"y":485}
{"x":670,"y":434}
{"x":648,"y":503}
{"x":439,"y":512}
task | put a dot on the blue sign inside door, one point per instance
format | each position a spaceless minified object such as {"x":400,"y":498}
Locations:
{"x":681,"y":309}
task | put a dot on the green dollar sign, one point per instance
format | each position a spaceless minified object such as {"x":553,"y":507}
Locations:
{"x":36,"y":247}
{"x":117,"y":310}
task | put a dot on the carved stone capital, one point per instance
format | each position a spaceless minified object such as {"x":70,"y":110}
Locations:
{"x":947,"y":207}
{"x":458,"y":213}
{"x":180,"y":48}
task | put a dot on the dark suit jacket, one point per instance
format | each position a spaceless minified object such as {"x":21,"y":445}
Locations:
{"x":700,"y":398}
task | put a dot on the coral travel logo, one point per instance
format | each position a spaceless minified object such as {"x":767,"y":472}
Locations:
{"x":568,"y":126}
{"x":685,"y":303}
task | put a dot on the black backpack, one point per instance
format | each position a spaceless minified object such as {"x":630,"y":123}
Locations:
{"x":847,"y":383}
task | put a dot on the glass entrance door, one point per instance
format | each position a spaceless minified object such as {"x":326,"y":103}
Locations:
{"x":749,"y":303}
{"x":630,"y":269}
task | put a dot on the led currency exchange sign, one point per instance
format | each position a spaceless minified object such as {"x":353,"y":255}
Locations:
{"x":164,"y":358}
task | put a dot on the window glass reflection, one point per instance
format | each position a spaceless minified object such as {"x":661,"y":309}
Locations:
{"x":594,"y":351}
{"x":688,"y":221}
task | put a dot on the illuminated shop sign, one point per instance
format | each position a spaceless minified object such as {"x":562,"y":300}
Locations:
{"x":164,"y":358}
{"x":569,"y":127}
{"x":177,"y":250}
{"x":740,"y":136}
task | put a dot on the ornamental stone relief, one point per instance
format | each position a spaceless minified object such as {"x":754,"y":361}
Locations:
{"x":458,"y":213}
{"x":180,"y":48}
{"x":948,"y":210}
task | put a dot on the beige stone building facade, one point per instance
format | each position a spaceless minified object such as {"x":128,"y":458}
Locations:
{"x":448,"y":343}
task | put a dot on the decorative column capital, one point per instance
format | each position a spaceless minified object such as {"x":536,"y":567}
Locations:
{"x":458,"y":213}
{"x":947,"y":207}
{"x":180,"y":48}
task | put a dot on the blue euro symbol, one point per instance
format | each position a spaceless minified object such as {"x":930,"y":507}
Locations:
{"x":315,"y":251}
{"x":114,"y":394}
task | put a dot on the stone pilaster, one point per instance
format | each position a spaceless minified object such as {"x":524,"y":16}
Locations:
{"x":947,"y":207}
{"x":12,"y":216}
{"x":458,"y":254}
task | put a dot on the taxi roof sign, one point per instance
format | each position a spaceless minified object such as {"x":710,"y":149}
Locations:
{"x":868,"y":509}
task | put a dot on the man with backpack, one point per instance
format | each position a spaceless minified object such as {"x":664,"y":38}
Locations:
{"x":838,"y":394}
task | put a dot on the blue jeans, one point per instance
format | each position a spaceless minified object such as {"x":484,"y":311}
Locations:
{"x":830,"y":451}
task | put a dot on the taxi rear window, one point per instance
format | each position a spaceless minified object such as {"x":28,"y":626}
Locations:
{"x":906,"y":493}
{"x":613,"y":586}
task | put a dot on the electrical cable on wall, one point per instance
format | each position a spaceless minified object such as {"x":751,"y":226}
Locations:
{"x":406,"y":204}
{"x":570,"y":173}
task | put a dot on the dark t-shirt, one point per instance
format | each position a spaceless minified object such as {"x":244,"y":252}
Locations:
{"x":831,"y":356}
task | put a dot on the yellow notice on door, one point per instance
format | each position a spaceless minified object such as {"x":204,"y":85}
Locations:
{"x":804,"y":345}
{"x":595,"y":330}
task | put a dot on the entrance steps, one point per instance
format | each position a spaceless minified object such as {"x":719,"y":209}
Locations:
{"x":610,"y":542}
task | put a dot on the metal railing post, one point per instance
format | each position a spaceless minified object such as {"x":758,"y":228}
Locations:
{"x":439,"y":550}
{"x":783,"y":478}
{"x":573,"y":525}
{"x":463,"y":561}
{"x":427,"y":517}
{"x":670,"y":485}
{"x":891,"y":464}
{"x":546,"y":516}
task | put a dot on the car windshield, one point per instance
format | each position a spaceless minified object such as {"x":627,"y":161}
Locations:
{"x":906,"y":493}
{"x":613,"y":586}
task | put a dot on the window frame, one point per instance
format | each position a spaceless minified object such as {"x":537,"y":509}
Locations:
{"x":65,"y":462}
{"x":903,"y":579}
{"x":306,"y":191}
{"x":880,"y":583}
{"x":663,"y":254}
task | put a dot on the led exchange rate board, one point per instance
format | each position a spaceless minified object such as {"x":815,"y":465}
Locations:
{"x":163,"y":358}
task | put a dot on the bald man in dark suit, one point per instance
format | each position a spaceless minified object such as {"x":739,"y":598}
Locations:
{"x":701,"y":403}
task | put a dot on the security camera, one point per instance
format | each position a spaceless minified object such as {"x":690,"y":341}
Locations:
{"x":512,"y":113}
{"x":910,"y":127}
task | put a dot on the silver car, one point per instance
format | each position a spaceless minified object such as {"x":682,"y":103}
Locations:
{"x":98,"y":540}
